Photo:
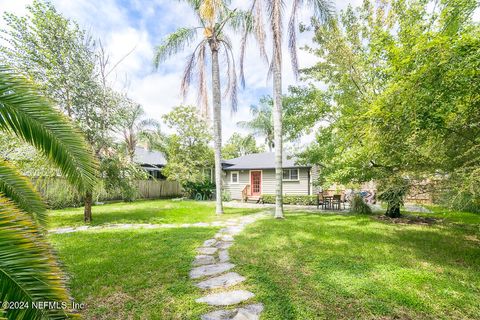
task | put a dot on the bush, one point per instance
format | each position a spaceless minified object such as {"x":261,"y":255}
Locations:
{"x":304,"y":200}
{"x":359,"y":206}
{"x":204,"y":188}
{"x":226,"y":196}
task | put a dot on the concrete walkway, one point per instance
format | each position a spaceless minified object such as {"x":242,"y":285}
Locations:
{"x":139,"y":226}
{"x":213,"y":271}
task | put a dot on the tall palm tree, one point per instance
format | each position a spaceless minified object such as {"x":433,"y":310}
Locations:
{"x":261,"y":123}
{"x":29,"y":270}
{"x":214,"y":16}
{"x":274,"y":8}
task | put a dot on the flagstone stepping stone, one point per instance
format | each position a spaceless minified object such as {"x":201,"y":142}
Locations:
{"x":223,"y":256}
{"x":224,"y":245}
{"x":223,"y":281}
{"x":250,"y":312}
{"x":207,"y":250}
{"x":225,"y":237}
{"x":203,"y":259}
{"x":209,"y":242}
{"x":226,"y":298}
{"x":210,"y":270}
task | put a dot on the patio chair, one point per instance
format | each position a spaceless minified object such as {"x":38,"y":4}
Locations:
{"x":320,"y":200}
{"x":336,"y":201}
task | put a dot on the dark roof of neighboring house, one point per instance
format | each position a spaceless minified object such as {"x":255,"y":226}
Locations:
{"x":265,"y":160}
{"x":143,"y":156}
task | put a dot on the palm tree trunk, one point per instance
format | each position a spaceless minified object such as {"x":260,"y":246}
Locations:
{"x":277,"y":108}
{"x":217,"y":124}
{"x":87,"y":211}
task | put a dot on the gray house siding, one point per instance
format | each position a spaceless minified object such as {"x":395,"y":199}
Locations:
{"x":300,"y":187}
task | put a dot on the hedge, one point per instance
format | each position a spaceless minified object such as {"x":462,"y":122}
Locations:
{"x":292,"y":199}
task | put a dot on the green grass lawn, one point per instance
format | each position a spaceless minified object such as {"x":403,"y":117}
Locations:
{"x":454,"y":216}
{"x":133,"y":274}
{"x":324,"y":266}
{"x":308,"y":266}
{"x":156,"y":211}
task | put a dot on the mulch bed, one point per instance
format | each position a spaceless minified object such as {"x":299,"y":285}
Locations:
{"x":409,"y":219}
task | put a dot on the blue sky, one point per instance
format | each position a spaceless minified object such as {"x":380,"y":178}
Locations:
{"x":140,"y":25}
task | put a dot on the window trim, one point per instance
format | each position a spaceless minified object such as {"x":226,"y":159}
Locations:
{"x":231,"y":177}
{"x":290,"y":174}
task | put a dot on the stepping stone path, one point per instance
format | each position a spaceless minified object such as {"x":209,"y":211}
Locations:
{"x":213,"y":268}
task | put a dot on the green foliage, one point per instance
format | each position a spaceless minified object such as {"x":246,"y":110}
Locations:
{"x":238,"y":146}
{"x":121,"y":174}
{"x":28,"y":269}
{"x":304,"y":200}
{"x":226,"y":196}
{"x":393,"y":192}
{"x":205,"y":188}
{"x":30,"y":117}
{"x":359,"y":206}
{"x":186,"y":150}
{"x":401,"y":97}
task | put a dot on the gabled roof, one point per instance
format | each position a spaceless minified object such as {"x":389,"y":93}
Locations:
{"x":265,"y":160}
{"x":143,"y":156}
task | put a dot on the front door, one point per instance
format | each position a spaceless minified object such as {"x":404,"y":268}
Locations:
{"x":256,"y":182}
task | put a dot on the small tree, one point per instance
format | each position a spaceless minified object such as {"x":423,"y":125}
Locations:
{"x":187,"y":151}
{"x":238,"y":146}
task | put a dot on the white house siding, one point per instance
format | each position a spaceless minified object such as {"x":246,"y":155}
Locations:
{"x":300,"y":187}
{"x":235,"y":189}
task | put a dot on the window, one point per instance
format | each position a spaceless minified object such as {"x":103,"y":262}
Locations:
{"x":290,"y":174}
{"x":234,"y":177}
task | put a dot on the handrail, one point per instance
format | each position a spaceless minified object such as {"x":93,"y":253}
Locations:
{"x":245,"y":192}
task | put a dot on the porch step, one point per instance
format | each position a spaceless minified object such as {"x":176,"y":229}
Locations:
{"x":254,"y":199}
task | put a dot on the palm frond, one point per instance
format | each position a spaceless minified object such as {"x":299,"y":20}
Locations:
{"x":174,"y":43}
{"x":323,"y":9}
{"x":188,"y":72}
{"x":292,"y":37}
{"x":21,"y":191}
{"x":30,"y":117}
{"x":28,"y":269}
{"x":259,"y":29}
{"x":232,"y":86}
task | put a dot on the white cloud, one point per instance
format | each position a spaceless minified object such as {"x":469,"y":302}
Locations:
{"x":142,"y":26}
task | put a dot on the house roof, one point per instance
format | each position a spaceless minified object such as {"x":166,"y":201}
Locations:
{"x":143,"y":156}
{"x":265,"y":160}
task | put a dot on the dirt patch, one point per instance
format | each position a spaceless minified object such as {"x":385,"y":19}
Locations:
{"x":408,"y":219}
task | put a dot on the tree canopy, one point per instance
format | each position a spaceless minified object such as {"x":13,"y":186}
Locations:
{"x":402,"y":95}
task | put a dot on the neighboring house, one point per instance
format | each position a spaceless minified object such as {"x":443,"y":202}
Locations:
{"x":254,"y":174}
{"x":151,"y":161}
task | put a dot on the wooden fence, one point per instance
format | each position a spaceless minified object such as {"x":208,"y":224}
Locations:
{"x":152,"y":189}
{"x":148,"y":189}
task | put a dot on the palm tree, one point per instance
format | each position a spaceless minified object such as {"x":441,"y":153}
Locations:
{"x":136,"y":127}
{"x":274,"y":8}
{"x":213,"y":16}
{"x":262,"y":122}
{"x":29,"y":270}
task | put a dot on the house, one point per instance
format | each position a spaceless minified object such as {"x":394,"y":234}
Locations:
{"x":151,"y":161}
{"x":254,"y":174}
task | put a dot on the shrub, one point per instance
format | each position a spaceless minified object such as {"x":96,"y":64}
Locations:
{"x":305,"y":200}
{"x":359,"y":206}
{"x":204,"y":188}
{"x":226,"y":196}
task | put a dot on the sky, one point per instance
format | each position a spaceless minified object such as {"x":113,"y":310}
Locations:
{"x":138,"y":26}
